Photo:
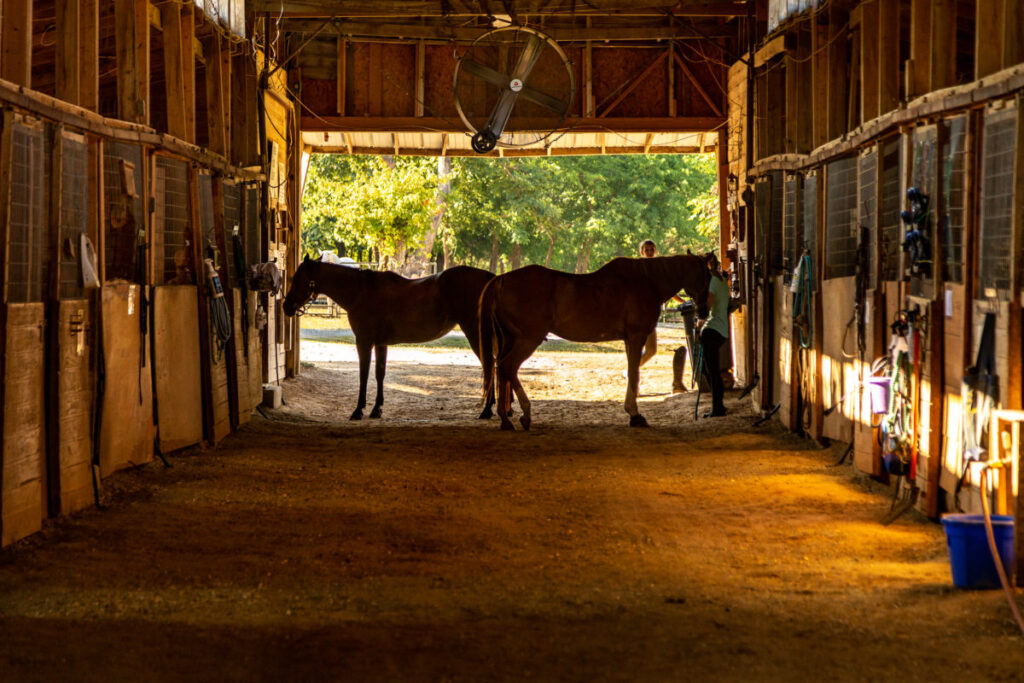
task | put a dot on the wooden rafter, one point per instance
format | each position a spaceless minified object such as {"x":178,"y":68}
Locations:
{"x":697,"y":85}
{"x":412,"y":124}
{"x":662,"y":56}
{"x":546,"y":8}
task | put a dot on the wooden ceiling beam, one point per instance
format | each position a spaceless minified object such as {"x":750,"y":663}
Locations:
{"x":425,"y":124}
{"x":563,"y":34}
{"x":471,"y":8}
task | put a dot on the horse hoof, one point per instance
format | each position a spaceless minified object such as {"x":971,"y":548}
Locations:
{"x":375,"y":413}
{"x":357,"y":415}
{"x":525,"y":421}
{"x":507,"y":427}
{"x":638,"y":421}
{"x":487,"y":414}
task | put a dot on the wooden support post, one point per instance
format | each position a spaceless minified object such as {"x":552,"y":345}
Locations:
{"x":214,"y":94}
{"x":128,"y":99}
{"x":52,"y":392}
{"x":724,"y":226}
{"x":936,"y":403}
{"x":67,"y":51}
{"x":6,"y":154}
{"x":888,"y":62}
{"x":988,"y":37}
{"x":224,"y":54}
{"x":671,"y":86}
{"x":142,"y":58}
{"x":16,"y":60}
{"x":819,"y":80}
{"x":838,"y":73}
{"x":244,"y":133}
{"x":943,"y":45}
{"x":919,"y":66}
{"x":869,"y":62}
{"x":421,"y":65}
{"x":202,"y":298}
{"x":1013,"y":33}
{"x":174,"y":72}
{"x":89,"y":54}
{"x":188,"y":71}
{"x":1015,"y":343}
{"x":342,"y":75}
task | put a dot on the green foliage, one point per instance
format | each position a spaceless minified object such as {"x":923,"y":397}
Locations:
{"x":567,"y":212}
{"x":366,"y":201}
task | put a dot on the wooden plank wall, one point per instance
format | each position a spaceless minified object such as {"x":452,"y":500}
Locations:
{"x":127,"y":430}
{"x":839,"y":374}
{"x":75,"y":404}
{"x":176,"y":366}
{"x":23,"y":495}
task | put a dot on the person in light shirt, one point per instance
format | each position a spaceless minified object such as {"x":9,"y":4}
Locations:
{"x":714,"y":331}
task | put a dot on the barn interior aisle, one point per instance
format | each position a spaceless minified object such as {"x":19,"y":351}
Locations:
{"x":430,"y":546}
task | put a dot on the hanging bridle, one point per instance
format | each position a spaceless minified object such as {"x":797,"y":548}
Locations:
{"x":310,"y":298}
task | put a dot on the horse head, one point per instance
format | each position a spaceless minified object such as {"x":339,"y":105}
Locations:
{"x":301,"y":287}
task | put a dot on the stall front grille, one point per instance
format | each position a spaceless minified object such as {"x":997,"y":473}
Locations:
{"x":954,"y":197}
{"x":866,"y":201}
{"x":73,"y":214}
{"x":125,"y":223}
{"x":175,"y":218}
{"x":27,"y":222}
{"x":776,"y":242}
{"x":789,"y":224}
{"x":252,"y":224}
{"x":232,"y":222}
{"x":889,"y":211}
{"x":762,"y":215}
{"x":209,"y":231}
{"x":995,"y":239}
{"x":809,"y":213}
{"x":923,"y":178}
{"x":841,"y":218}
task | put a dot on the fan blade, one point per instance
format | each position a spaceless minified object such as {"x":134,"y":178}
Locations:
{"x":486,"y":73}
{"x":502,"y":112}
{"x":534,"y":45}
{"x":543,"y":99}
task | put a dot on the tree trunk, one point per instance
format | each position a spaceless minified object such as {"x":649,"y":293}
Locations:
{"x":517,"y":254}
{"x":583,"y":259}
{"x":551,"y":250}
{"x":494,"y":255}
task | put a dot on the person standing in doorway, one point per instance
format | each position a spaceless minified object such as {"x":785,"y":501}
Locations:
{"x":714,"y":331}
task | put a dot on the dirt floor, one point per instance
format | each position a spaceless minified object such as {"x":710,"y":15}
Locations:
{"x":430,"y":546}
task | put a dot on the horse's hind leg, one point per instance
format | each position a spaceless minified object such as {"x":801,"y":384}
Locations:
{"x":515,"y":357}
{"x":504,"y":398}
{"x":634,"y":348}
{"x":363,"y":350}
{"x":381,"y":352}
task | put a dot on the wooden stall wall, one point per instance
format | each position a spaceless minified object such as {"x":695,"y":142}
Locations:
{"x":23,"y":494}
{"x":127,"y":429}
{"x":176,"y":366}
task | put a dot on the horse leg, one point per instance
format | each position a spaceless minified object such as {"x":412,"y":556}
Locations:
{"x":504,"y":398}
{"x":381,"y":352}
{"x":524,"y":401}
{"x":634,"y":349}
{"x":364,"y":374}
{"x":520,"y":351}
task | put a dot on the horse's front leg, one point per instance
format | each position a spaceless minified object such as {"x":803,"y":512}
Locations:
{"x":634,"y":349}
{"x":363,"y":350}
{"x":381,"y":352}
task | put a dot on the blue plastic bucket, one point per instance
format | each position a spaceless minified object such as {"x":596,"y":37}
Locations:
{"x":878,"y":389}
{"x":969,"y":554}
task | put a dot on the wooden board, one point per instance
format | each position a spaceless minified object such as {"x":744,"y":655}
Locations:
{"x":866,"y":451}
{"x":23,"y":498}
{"x":75,"y":405}
{"x":219,"y":375}
{"x":255,"y":356}
{"x":245,"y":404}
{"x":838,"y":374}
{"x":176,"y":359}
{"x":126,"y":430}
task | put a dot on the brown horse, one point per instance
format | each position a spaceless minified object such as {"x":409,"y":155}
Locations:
{"x":622,"y":300}
{"x":385,"y":308}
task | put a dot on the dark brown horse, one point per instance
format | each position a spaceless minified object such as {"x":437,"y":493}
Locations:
{"x":622,"y":300}
{"x":385,"y":308}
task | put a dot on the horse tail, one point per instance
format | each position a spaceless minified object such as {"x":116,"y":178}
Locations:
{"x":486,"y":321}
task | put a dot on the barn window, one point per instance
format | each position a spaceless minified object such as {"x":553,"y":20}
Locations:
{"x":790,"y":218}
{"x":867,"y":186}
{"x":996,"y":225}
{"x":954,"y":196}
{"x":809,"y":212}
{"x":232,"y":222}
{"x":172,"y":233}
{"x":73,"y":212}
{"x":889,"y":207}
{"x":922,"y":172}
{"x":27,"y":221}
{"x":841,"y":218}
{"x":125,"y":222}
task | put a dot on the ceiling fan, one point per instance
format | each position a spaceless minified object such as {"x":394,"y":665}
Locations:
{"x":514,"y":87}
